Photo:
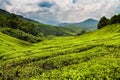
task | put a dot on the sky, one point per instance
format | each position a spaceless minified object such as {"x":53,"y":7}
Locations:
{"x":62,"y":11}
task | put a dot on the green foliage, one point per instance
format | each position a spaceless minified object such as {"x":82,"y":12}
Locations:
{"x":22,"y":35}
{"x":118,"y":19}
{"x":80,"y":33}
{"x":103,"y":22}
{"x":113,"y":20}
{"x":30,"y":27}
{"x":91,"y":56}
{"x":15,"y":26}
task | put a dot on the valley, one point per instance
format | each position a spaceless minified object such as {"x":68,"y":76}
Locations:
{"x":30,"y":50}
{"x":91,"y":55}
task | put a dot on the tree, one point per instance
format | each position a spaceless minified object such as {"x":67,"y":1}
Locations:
{"x":113,"y":20}
{"x":103,"y":22}
{"x":118,"y":19}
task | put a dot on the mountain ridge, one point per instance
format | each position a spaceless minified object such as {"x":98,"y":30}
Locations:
{"x":86,"y":24}
{"x":29,"y":30}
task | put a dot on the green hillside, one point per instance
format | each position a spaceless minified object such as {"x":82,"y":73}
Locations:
{"x":29,"y":30}
{"x":91,"y":56}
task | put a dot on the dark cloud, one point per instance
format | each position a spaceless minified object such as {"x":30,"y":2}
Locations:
{"x":45,"y":4}
{"x":74,"y":1}
{"x":8,"y":3}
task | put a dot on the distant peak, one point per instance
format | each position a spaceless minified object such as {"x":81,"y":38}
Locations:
{"x":90,"y":19}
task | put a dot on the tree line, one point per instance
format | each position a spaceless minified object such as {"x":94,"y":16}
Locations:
{"x":19,"y":27}
{"x":29,"y":30}
{"x":105,"y":21}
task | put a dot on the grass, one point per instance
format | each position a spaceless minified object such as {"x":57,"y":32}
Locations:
{"x":91,"y":56}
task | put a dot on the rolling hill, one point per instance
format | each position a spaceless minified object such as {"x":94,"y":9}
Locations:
{"x":94,"y":55}
{"x":29,"y":30}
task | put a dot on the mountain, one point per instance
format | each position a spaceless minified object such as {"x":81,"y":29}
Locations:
{"x":29,"y":30}
{"x":89,"y":24}
{"x":92,"y":56}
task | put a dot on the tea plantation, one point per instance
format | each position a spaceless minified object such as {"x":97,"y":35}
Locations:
{"x":91,"y":56}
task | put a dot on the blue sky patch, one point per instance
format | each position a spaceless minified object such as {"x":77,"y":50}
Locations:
{"x":46,"y":4}
{"x":74,"y":1}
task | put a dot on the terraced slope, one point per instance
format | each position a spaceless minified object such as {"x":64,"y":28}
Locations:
{"x":8,"y":43}
{"x":94,"y":55}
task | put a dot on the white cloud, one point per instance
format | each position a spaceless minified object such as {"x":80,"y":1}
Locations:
{"x":62,"y":10}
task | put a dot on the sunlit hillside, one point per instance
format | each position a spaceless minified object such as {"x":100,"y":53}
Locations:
{"x":94,"y":55}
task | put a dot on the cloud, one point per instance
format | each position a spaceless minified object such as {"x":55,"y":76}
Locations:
{"x":58,"y":11}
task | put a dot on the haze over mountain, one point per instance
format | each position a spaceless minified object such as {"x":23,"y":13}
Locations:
{"x":87,"y":24}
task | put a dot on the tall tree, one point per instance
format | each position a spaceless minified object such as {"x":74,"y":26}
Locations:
{"x":113,"y":20}
{"x":118,"y":19}
{"x":103,"y":22}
